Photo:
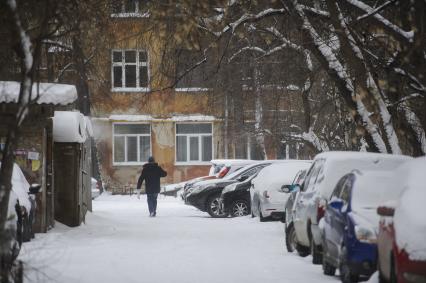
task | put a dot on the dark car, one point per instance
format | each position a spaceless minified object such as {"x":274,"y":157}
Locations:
{"x":290,"y":234}
{"x":23,"y":210}
{"x":205,"y":195}
{"x":235,"y":198}
{"x":350,"y":223}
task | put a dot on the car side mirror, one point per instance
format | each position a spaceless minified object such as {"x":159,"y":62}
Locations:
{"x":385,"y":211}
{"x":34,"y":189}
{"x":289,"y":188}
{"x":242,"y":178}
{"x":336,"y":204}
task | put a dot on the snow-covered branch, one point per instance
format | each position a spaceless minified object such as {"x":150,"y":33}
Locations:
{"x":407,"y":35}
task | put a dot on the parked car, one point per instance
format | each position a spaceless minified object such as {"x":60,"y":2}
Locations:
{"x":350,"y":223}
{"x":293,"y":190}
{"x":235,"y":198}
{"x":205,"y":195}
{"x":21,"y":209}
{"x":268,"y":200}
{"x":95,"y":188}
{"x":402,"y":227}
{"x":219,"y":169}
{"x":321,"y":179}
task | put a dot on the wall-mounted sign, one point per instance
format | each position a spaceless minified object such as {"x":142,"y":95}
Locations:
{"x":33,"y":155}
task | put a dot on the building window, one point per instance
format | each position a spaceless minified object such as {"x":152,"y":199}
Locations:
{"x":246,"y":148}
{"x":194,"y":142}
{"x":191,"y":74}
{"x":130,"y":70}
{"x":129,"y":8}
{"x":131,"y":143}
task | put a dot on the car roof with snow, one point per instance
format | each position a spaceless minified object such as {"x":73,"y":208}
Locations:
{"x":278,"y":174}
{"x":338,"y":163}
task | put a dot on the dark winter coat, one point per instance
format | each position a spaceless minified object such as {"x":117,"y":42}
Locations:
{"x":151,"y":174}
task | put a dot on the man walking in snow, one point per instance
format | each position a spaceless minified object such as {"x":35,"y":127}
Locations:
{"x":151,"y":174}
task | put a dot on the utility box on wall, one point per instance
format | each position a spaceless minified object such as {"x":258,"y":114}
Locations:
{"x":72,"y":151}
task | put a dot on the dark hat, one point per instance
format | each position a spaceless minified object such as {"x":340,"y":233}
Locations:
{"x":151,"y":159}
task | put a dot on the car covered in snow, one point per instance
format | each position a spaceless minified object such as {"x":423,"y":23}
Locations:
{"x":205,"y":195}
{"x":268,"y":199}
{"x":350,"y":223}
{"x":402,"y":228}
{"x":293,"y":190}
{"x":320,"y":181}
{"x":21,"y":209}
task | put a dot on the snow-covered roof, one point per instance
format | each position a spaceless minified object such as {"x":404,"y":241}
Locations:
{"x":49,"y":93}
{"x":71,"y":126}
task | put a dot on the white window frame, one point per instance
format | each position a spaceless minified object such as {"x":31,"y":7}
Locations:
{"x":188,"y":146}
{"x":123,"y":64}
{"x":135,"y":14}
{"x":126,"y":163}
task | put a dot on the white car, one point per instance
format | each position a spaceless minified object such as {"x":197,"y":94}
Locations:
{"x":267,"y":196}
{"x":95,"y":188}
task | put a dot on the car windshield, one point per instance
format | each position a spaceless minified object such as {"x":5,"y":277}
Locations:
{"x":235,"y":175}
{"x":371,"y":190}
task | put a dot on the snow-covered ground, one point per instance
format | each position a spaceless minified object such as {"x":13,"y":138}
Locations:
{"x":120,"y":243}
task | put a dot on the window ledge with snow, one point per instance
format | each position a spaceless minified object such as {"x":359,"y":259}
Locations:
{"x":131,"y":89}
{"x":192,"y":163}
{"x":128,"y":163}
{"x":191,"y":89}
{"x":131,"y":15}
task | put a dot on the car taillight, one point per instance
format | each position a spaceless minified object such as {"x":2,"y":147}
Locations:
{"x":321,"y":209}
{"x":223,"y":172}
{"x":265,"y":194}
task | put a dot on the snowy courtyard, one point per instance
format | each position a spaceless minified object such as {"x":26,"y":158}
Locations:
{"x":120,"y":243}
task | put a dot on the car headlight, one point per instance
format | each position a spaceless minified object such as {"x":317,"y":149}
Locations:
{"x":196,"y":190}
{"x":365,"y":235}
{"x":229,"y":189}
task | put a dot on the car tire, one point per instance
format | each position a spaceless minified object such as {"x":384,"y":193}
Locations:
{"x":315,"y":252}
{"x":213,"y":207}
{"x":346,"y":275}
{"x":261,"y":218}
{"x":327,"y":268}
{"x":290,"y":238}
{"x":239,"y":208}
{"x":302,"y":250}
{"x":393,"y":273}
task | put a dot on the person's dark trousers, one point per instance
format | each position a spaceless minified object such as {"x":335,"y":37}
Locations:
{"x":152,"y":203}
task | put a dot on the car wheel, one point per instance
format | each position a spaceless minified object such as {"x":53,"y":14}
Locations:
{"x":261,"y":218}
{"x":26,"y":237}
{"x":290,"y":239}
{"x":239,"y":208}
{"x":213,"y":207}
{"x":327,"y":268}
{"x":393,"y":276}
{"x":346,"y":275}
{"x":315,"y":252}
{"x":302,"y":250}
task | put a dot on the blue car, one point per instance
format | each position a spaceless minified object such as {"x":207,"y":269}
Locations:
{"x":350,"y":224}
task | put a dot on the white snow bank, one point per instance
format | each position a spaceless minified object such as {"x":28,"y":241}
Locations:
{"x":49,"y":93}
{"x":71,"y":126}
{"x":410,"y":213}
